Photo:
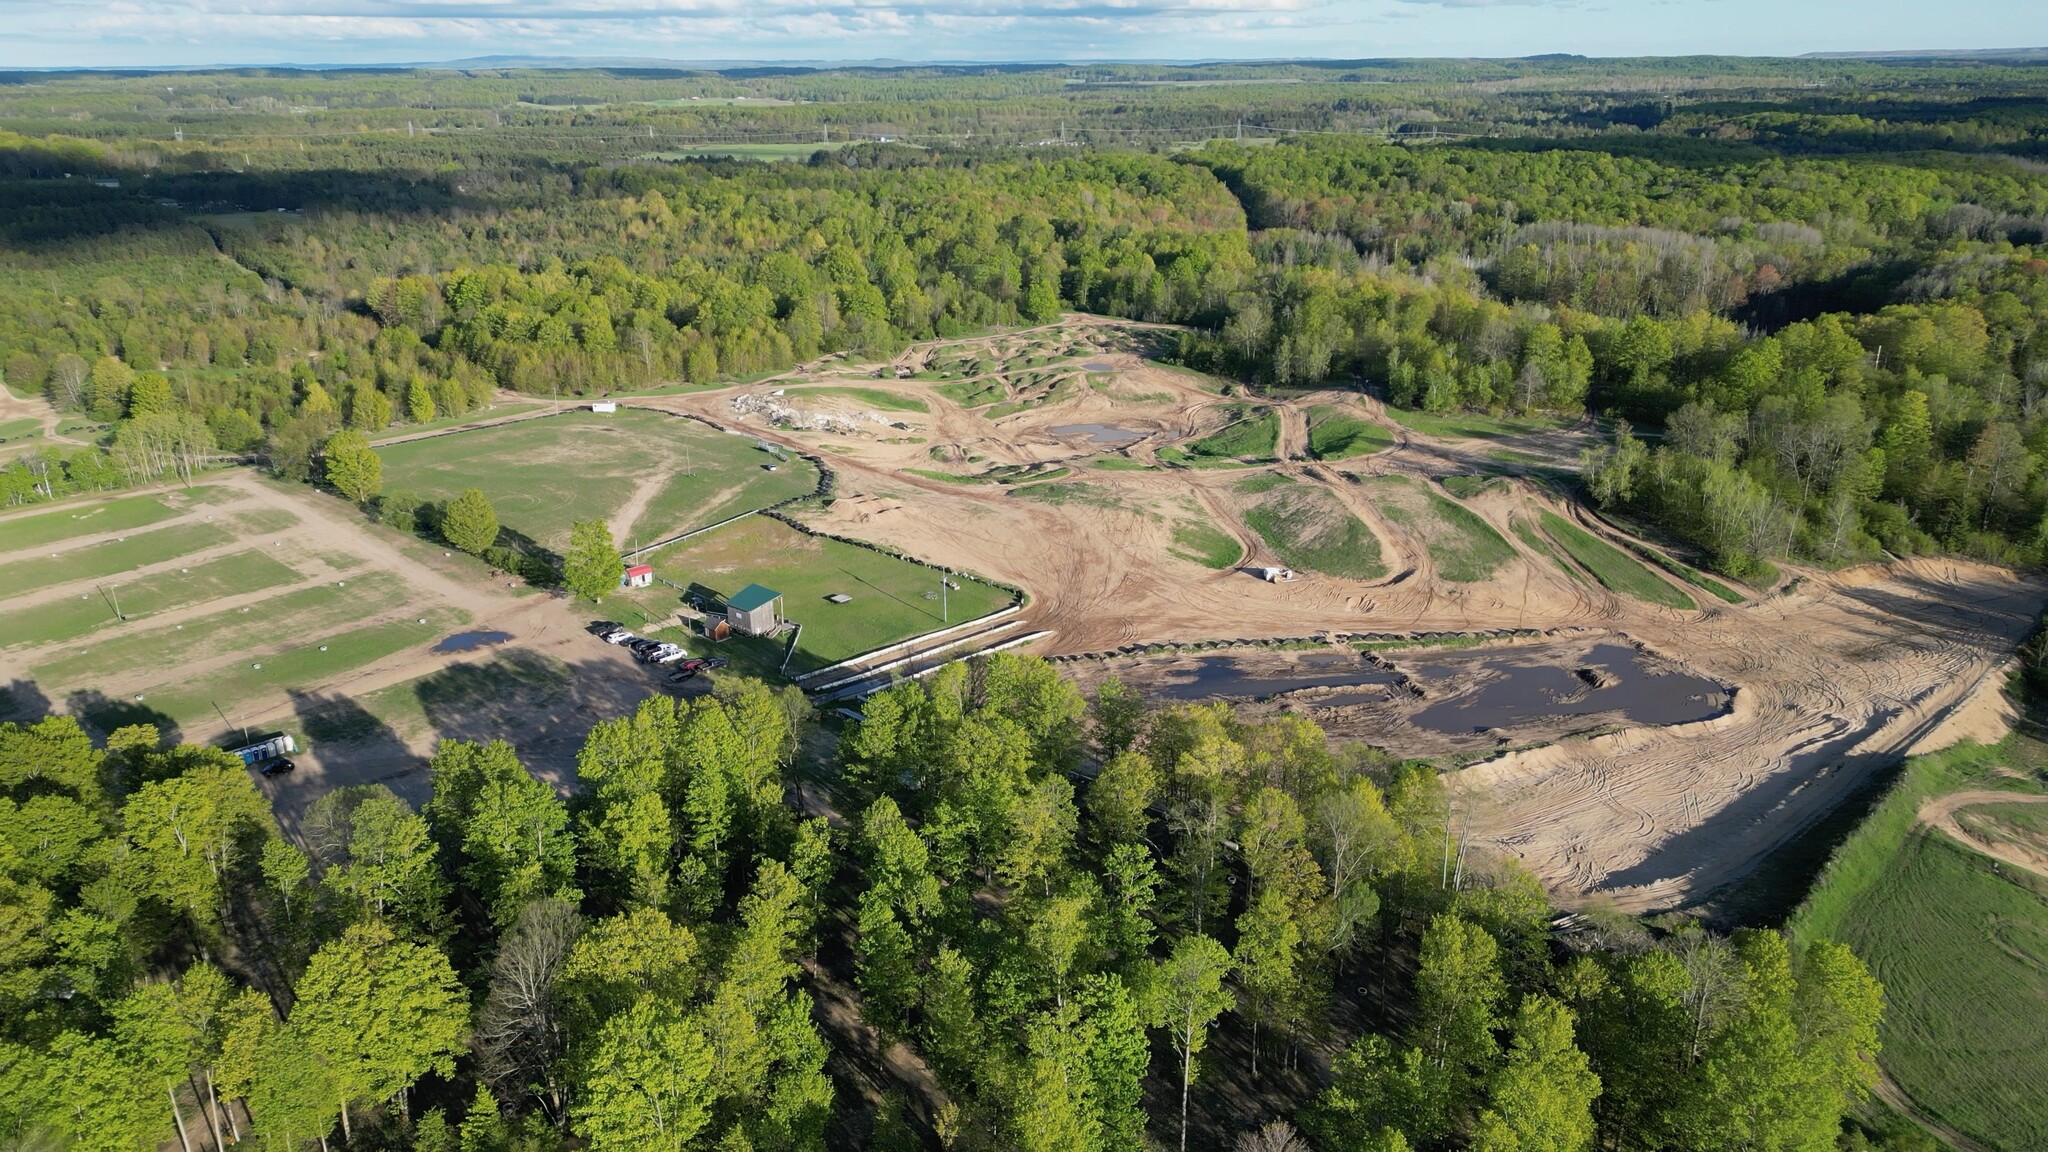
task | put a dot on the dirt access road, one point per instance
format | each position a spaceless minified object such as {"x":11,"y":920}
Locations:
{"x":1837,"y":674}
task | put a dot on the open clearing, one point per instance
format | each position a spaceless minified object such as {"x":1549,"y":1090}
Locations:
{"x":246,"y":604}
{"x":1834,"y":679}
{"x":648,"y":474}
{"x":891,"y":599}
{"x":1635,"y":742}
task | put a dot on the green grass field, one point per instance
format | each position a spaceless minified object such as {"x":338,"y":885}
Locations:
{"x":973,"y":393}
{"x":86,"y":519}
{"x":494,"y":412}
{"x":889,"y":595}
{"x":1527,"y":534}
{"x":67,"y":619}
{"x":1470,"y":425}
{"x":872,"y":397}
{"x":111,"y":557}
{"x":1308,"y":528}
{"x":1205,"y":544}
{"x":301,"y":666}
{"x":307,"y":611}
{"x":1335,"y":433}
{"x":1251,"y":434}
{"x":1462,"y":545}
{"x":26,"y":433}
{"x":546,"y":473}
{"x":1960,"y":944}
{"x":1613,"y":568}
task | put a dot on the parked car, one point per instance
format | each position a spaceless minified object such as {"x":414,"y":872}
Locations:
{"x":643,"y":644}
{"x":604,"y":627}
{"x":684,"y":675}
{"x":714,"y":662}
{"x":278,"y":767}
{"x":619,"y":637}
{"x":670,"y":656}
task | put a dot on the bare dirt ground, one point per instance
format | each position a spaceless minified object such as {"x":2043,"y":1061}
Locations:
{"x":37,"y":408}
{"x":1941,"y":813}
{"x":547,"y":722}
{"x":1836,"y":674}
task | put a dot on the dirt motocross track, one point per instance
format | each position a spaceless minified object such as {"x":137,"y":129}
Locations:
{"x":1836,"y":675}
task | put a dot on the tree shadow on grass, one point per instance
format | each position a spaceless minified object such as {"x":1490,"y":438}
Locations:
{"x":23,"y":701}
{"x":102,"y":714}
{"x":345,"y":744}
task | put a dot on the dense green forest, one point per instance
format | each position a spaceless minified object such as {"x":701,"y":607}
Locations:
{"x":1813,"y":289}
{"x":1071,"y":912}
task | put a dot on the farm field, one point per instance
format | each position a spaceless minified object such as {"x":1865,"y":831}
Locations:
{"x":892,"y":599}
{"x":648,"y":474}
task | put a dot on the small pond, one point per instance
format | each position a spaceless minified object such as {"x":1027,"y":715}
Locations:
{"x":1098,"y":366}
{"x":1099,"y":433}
{"x":469,"y":641}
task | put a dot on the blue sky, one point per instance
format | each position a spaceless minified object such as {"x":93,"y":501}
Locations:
{"x":44,"y":33}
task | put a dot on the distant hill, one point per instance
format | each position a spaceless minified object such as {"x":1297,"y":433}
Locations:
{"x":1936,"y":54}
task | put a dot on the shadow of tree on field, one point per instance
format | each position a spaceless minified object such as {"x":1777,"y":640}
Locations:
{"x":23,"y":701}
{"x":345,"y":745}
{"x":101,"y":714}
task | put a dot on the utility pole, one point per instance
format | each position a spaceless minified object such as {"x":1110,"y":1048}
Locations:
{"x":224,"y":720}
{"x":945,"y":605}
{"x":1240,"y":129}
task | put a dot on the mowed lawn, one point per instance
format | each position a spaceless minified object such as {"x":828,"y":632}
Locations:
{"x":86,"y":519}
{"x":54,"y":621}
{"x":231,"y":632}
{"x":109,"y":557}
{"x":889,"y":596}
{"x":1961,"y":946}
{"x":544,"y":474}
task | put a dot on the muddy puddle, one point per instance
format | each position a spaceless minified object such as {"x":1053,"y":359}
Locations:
{"x":1099,"y":433}
{"x":470,"y":641}
{"x":1098,"y":366}
{"x":1235,"y":678}
{"x":1446,"y":699}
{"x":1512,"y":690}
